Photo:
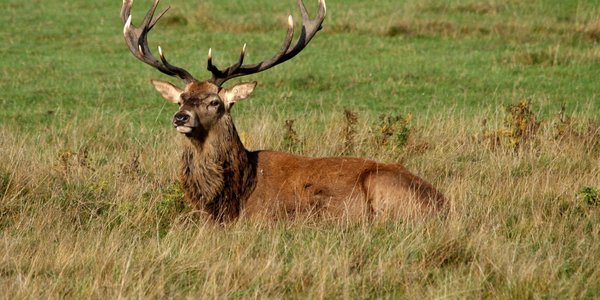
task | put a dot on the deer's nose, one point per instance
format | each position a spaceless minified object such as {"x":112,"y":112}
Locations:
{"x":180,"y":119}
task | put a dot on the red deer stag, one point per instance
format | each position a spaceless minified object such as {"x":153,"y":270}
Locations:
{"x":226,"y":181}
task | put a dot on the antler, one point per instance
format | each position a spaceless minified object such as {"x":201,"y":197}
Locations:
{"x":309,"y":29}
{"x":138,"y":44}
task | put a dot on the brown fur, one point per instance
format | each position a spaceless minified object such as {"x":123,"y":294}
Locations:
{"x":217,"y":172}
{"x":223,"y":179}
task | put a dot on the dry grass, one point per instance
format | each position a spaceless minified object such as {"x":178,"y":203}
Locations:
{"x":96,"y":213}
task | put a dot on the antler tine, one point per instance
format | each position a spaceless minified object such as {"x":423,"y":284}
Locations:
{"x":213,"y":69}
{"x":126,"y":10}
{"x":309,"y":28}
{"x":136,"y":39}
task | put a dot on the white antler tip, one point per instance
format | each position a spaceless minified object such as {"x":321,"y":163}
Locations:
{"x":209,"y":53}
{"x":244,"y":48}
{"x":140,"y":49}
{"x":160,"y":52}
{"x":290,"y":21}
{"x":322,"y":2}
{"x":127,"y":24}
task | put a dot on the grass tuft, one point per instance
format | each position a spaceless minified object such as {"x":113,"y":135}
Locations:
{"x":589,"y":195}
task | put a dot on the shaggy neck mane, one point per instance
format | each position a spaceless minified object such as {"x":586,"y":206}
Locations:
{"x":217,"y":172}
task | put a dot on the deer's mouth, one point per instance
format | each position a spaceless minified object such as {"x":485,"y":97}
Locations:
{"x":184,"y":129}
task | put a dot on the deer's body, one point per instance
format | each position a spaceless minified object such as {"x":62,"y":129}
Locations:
{"x":221,"y":178}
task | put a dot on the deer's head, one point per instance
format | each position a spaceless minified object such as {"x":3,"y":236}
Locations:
{"x":202,"y":103}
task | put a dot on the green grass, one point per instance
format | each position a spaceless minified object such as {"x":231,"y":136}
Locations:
{"x":89,"y":203}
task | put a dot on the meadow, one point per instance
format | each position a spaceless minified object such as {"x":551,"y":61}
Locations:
{"x":495,"y":102}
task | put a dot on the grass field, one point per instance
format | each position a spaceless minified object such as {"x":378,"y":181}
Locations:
{"x":495,"y":102}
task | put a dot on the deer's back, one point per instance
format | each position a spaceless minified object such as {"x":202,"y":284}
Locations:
{"x":288,"y":184}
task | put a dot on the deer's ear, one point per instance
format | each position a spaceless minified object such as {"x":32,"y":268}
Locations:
{"x":236,"y":93}
{"x":168,"y":91}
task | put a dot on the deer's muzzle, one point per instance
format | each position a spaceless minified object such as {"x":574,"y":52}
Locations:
{"x":180,"y":119}
{"x":183,"y":121}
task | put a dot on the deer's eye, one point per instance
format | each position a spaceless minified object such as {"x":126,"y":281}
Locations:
{"x":214,"y":103}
